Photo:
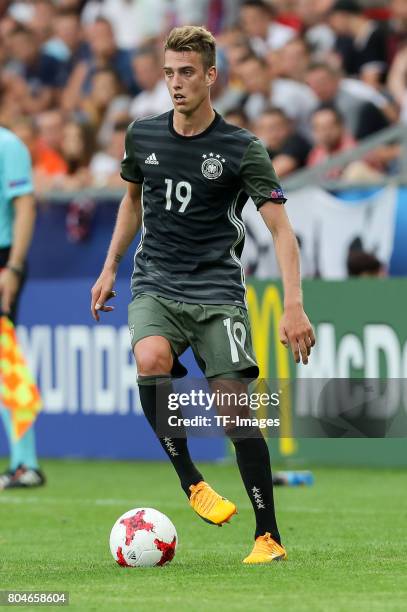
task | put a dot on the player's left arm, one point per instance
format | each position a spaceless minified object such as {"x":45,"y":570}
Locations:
{"x":295,"y":328}
{"x":261,"y":183}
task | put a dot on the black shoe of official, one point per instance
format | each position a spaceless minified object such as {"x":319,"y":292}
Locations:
{"x":25,"y":478}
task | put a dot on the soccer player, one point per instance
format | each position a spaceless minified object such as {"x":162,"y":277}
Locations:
{"x":17,"y":218}
{"x":189,"y":175}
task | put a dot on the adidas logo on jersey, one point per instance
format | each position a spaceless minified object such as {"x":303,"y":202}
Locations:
{"x":151,"y":159}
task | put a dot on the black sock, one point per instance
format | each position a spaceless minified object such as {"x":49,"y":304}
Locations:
{"x":253,"y":459}
{"x":175,"y":446}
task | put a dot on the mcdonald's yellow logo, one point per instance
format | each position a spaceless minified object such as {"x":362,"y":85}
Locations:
{"x":264,"y":319}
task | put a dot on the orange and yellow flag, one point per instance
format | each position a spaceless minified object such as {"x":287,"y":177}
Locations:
{"x":18,"y":391}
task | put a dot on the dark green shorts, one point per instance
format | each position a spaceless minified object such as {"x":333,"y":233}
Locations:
{"x":219,"y":335}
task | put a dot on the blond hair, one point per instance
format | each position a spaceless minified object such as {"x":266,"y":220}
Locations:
{"x":193,"y":38}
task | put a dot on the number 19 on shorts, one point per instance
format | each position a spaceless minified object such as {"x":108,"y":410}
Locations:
{"x":237,"y":337}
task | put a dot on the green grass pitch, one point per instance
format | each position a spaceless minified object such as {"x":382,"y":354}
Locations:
{"x":345,"y":536}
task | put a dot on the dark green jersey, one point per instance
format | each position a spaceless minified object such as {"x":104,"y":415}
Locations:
{"x":194,"y":190}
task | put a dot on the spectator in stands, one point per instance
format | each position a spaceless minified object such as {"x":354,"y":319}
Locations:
{"x":36,"y":74}
{"x":48,"y":163}
{"x":287,"y":149}
{"x":237,"y":116}
{"x":104,"y":98}
{"x":317,"y":32}
{"x":78,"y":146}
{"x":297,"y":99}
{"x":154,"y":98}
{"x":48,"y":158}
{"x":104,"y":53}
{"x":105,"y":164}
{"x":133,"y":21}
{"x":21,"y":12}
{"x":25,"y":129}
{"x":361,"y":263}
{"x":329,"y":134}
{"x":236,"y":48}
{"x":330,"y":138}
{"x":7,"y":27}
{"x":258,"y":24}
{"x":397,"y":34}
{"x":225,"y":93}
{"x":215,"y":15}
{"x":66,"y":43}
{"x":361,"y":43}
{"x":72,"y":5}
{"x":42,"y":20}
{"x":255,"y":76}
{"x":292,"y":60}
{"x":10,"y":98}
{"x":362,"y":107}
{"x":231,"y":36}
{"x":50,"y":125}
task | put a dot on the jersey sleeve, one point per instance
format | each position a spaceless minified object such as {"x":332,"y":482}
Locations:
{"x":130,"y":169}
{"x":17,"y":169}
{"x":258,"y":176}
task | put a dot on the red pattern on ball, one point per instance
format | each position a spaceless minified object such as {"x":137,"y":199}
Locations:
{"x":120,"y":558}
{"x":168,"y":550}
{"x":136,"y":523}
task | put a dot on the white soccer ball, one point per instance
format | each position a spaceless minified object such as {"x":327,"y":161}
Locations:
{"x":143,"y":537}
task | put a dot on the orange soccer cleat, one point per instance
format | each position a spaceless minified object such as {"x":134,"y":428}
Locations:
{"x":211,"y":507}
{"x":266,"y":550}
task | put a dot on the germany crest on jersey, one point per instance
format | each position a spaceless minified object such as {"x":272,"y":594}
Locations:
{"x":194,"y":190}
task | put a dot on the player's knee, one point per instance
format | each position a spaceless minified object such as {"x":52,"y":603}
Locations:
{"x":152,"y":362}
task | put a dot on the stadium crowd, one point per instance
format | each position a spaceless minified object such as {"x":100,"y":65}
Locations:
{"x":309,"y":77}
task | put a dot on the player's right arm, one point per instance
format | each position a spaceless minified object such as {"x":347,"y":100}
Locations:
{"x":18,"y":189}
{"x":128,"y":223}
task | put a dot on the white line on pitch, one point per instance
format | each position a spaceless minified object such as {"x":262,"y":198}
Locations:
{"x":5,"y":499}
